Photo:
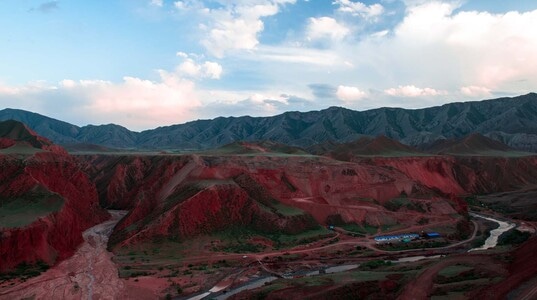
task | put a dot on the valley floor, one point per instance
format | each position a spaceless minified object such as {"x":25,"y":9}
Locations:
{"x":88,"y":274}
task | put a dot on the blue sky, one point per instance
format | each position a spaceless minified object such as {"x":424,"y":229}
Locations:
{"x":148,"y":63}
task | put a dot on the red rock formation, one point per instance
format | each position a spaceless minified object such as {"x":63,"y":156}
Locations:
{"x":171,"y":192}
{"x":55,"y":234}
{"x":321,"y":187}
{"x":465,"y":175}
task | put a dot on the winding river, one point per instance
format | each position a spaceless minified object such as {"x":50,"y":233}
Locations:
{"x":492,"y":240}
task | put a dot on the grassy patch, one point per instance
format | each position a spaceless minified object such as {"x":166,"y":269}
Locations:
{"x":282,"y":209}
{"x":513,"y":237}
{"x":235,"y":236}
{"x":414,"y":245}
{"x":375,"y":264}
{"x":397,"y":203}
{"x":361,"y":229}
{"x":22,"y":211}
{"x":25,"y":270}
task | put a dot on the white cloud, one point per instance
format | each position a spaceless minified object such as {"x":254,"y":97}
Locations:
{"x":486,"y":48}
{"x":133,"y":102}
{"x":359,"y":8}
{"x":413,"y":91}
{"x":234,"y":26}
{"x":295,"y":55}
{"x":190,"y":68}
{"x":158,"y":3}
{"x":212,"y":69}
{"x":349,"y":93}
{"x":326,"y":27}
{"x":475,"y":91}
{"x":439,"y":45}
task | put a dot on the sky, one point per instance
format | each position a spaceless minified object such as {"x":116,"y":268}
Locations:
{"x":148,"y":63}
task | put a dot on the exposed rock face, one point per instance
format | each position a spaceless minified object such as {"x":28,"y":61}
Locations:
{"x":466,"y":175}
{"x":174,"y":195}
{"x":46,"y":204}
{"x":182,"y":196}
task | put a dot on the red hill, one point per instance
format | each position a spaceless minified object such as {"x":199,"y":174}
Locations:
{"x":367,"y":146}
{"x":46,"y":201}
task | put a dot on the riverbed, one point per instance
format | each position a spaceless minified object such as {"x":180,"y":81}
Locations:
{"x":492,"y":240}
{"x":88,"y":274}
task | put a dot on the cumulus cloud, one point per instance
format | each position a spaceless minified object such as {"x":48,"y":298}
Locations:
{"x":235,"y":25}
{"x":475,"y":91}
{"x":191,"y":68}
{"x":441,"y":46}
{"x":349,"y":93}
{"x":359,"y":8}
{"x":413,"y":91}
{"x":133,"y":102}
{"x":326,"y":27}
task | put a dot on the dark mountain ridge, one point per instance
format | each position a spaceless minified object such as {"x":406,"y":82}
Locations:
{"x":512,"y":121}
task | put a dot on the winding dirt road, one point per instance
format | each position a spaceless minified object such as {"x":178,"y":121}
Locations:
{"x":88,"y":274}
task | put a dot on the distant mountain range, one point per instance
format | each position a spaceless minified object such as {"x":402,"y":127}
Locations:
{"x":512,"y":121}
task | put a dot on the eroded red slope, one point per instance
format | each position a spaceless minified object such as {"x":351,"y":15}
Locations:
{"x":55,"y":234}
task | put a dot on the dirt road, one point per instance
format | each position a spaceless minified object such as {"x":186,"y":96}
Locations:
{"x":88,"y":274}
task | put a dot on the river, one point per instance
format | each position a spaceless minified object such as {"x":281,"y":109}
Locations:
{"x":88,"y":274}
{"x":492,"y":240}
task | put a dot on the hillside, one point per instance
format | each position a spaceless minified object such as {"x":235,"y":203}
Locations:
{"x":257,"y":147}
{"x":366,"y":146}
{"x":510,"y":120}
{"x":474,"y":144}
{"x":46,"y":201}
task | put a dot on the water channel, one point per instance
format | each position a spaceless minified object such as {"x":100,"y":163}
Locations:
{"x":492,"y":240}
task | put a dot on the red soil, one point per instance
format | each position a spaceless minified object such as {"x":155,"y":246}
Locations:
{"x":6,"y":143}
{"x":182,"y":196}
{"x":187,"y":195}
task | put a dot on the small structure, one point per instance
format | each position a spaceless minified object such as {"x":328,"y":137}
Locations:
{"x":407,"y":237}
{"x":432,"y":235}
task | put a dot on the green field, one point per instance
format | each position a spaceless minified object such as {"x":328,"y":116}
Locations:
{"x":236,"y":239}
{"x":21,"y":148}
{"x":23,"y":211}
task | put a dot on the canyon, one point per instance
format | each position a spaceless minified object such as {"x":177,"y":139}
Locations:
{"x":248,"y":208}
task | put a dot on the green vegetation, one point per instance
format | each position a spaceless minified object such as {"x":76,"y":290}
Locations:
{"x":398,"y":203}
{"x":25,"y":270}
{"x":242,"y":248}
{"x":513,"y":237}
{"x":20,"y":148}
{"x":414,"y":245}
{"x":375,"y":264}
{"x":501,"y":207}
{"x":22,"y":211}
{"x":359,"y":229}
{"x":282,"y":209}
{"x":236,"y":236}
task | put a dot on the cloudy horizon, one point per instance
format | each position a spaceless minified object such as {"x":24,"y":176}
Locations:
{"x":148,"y":63}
